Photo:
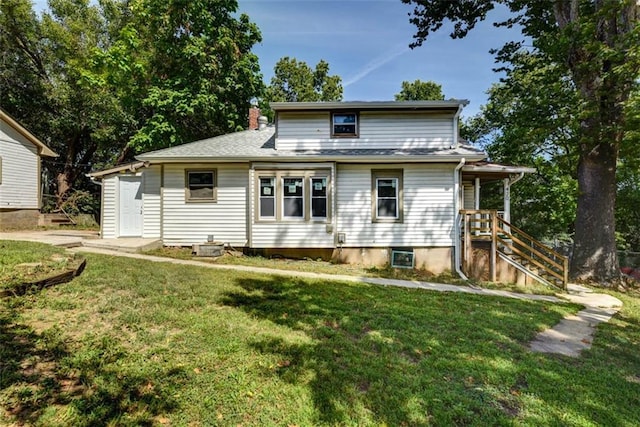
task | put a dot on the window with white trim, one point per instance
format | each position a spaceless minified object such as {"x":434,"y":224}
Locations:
{"x":292,"y":197}
{"x":387,"y":196}
{"x":267,"y":198}
{"x":319,"y":198}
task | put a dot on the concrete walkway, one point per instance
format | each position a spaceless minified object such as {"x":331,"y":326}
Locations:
{"x":569,"y":337}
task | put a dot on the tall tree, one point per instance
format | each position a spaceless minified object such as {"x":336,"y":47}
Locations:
{"x":419,"y":91}
{"x":597,"y":43}
{"x":100,"y":82}
{"x":295,"y":81}
{"x":46,"y":82}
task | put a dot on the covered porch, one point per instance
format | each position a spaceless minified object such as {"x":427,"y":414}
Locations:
{"x":490,"y":247}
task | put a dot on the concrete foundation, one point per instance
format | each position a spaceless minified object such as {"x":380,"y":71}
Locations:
{"x":11,"y":219}
{"x":434,"y":260}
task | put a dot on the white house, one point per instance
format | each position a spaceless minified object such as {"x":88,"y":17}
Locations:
{"x":358,"y":182}
{"x":20,"y":162}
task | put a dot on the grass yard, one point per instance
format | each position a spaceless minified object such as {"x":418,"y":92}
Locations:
{"x":132,"y":342}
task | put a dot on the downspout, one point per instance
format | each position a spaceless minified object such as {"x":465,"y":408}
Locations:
{"x":456,"y":226}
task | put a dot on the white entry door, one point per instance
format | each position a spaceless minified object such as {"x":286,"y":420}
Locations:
{"x":130,"y":206}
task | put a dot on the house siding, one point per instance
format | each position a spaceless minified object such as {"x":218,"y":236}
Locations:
{"x":19,"y":184}
{"x":469,"y":197}
{"x":151,"y":202}
{"x":184,"y":224}
{"x":428,"y":207}
{"x":377,"y":130}
{"x":109,"y":207}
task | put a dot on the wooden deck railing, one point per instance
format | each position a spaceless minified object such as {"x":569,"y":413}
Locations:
{"x":540,"y":261}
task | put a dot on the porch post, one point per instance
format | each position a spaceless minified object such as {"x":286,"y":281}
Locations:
{"x":506,"y":199}
{"x":476,"y":188}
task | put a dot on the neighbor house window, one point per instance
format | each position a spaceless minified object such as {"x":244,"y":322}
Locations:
{"x":292,"y":197}
{"x":200,"y":186}
{"x":267,"y":209}
{"x":319,"y":198}
{"x":386,"y":194}
{"x":344,"y":124}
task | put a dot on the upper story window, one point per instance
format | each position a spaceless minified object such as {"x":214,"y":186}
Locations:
{"x":344,"y":124}
{"x":200,"y":186}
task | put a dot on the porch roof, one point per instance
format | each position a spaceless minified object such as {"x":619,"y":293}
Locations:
{"x":488,"y":171}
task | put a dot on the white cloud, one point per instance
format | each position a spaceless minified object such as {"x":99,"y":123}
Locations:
{"x":377,"y":63}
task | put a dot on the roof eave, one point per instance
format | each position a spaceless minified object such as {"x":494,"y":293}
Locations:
{"x":351,"y":159}
{"x":43,"y":150}
{"x":453,"y":104}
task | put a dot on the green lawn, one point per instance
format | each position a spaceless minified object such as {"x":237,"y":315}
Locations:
{"x":138,"y":343}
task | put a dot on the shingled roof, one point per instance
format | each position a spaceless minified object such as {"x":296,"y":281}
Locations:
{"x":254,"y":145}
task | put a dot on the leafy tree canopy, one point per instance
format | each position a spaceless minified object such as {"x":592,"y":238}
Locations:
{"x":295,"y":81}
{"x":101,"y":82}
{"x":589,"y":51}
{"x":419,"y":91}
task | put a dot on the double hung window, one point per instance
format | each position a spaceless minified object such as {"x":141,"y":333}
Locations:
{"x":292,"y":198}
{"x":267,"y":198}
{"x":200,"y":186}
{"x":344,"y":124}
{"x":386,"y":194}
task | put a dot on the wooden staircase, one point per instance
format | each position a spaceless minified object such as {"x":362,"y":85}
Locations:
{"x":512,"y":246}
{"x":55,"y":219}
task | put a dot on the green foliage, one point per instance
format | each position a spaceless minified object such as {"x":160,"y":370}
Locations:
{"x":295,"y":81}
{"x":101,"y":82}
{"x":568,"y":93}
{"x":419,"y":90}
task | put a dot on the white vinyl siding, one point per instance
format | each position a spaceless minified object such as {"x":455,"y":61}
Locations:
{"x":469,"y":197}
{"x":291,"y":235}
{"x":20,"y":170}
{"x":428,"y":207}
{"x":377,"y":130}
{"x":151,"y":202}
{"x":109,"y":207}
{"x":188,"y":223}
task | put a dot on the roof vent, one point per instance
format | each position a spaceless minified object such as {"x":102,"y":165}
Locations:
{"x":262,"y":122}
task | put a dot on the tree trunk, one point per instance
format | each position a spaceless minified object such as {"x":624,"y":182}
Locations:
{"x":594,"y":251}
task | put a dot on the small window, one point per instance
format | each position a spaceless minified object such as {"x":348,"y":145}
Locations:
{"x":386,"y":195}
{"x":201,"y":186}
{"x":402,"y":258}
{"x":293,"y":198}
{"x":344,"y":124}
{"x":267,"y":198}
{"x":319,"y":198}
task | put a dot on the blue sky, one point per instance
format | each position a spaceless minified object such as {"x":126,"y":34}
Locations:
{"x":366,"y":43}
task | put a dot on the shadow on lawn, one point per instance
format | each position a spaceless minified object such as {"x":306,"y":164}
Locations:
{"x":401,"y":357}
{"x":38,"y":372}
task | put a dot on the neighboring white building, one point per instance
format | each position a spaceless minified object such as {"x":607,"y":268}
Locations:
{"x":20,"y":187}
{"x":351,"y":181}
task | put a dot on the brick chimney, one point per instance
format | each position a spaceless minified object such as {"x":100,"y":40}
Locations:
{"x":254,"y":113}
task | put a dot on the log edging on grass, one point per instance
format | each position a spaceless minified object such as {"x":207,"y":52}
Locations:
{"x":57,"y":279}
